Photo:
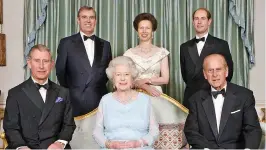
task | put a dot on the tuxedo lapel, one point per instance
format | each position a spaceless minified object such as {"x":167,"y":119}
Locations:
{"x":51,"y":95}
{"x":80,"y":49}
{"x":229,"y":101}
{"x":210,"y":113}
{"x":33,"y":93}
{"x":98,"y":52}
{"x":206,"y":50}
{"x":193,"y":52}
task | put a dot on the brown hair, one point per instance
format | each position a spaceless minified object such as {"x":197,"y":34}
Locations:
{"x":209,"y":16}
{"x":39,"y":47}
{"x":86,"y":8}
{"x":145,"y":16}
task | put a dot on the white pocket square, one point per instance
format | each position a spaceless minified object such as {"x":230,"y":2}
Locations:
{"x":235,"y":111}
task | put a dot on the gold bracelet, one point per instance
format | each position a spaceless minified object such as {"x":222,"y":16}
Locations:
{"x":108,"y":144}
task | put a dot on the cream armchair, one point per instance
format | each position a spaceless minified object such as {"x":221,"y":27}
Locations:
{"x":82,"y":137}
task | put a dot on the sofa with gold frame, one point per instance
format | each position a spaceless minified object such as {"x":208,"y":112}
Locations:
{"x":82,"y":137}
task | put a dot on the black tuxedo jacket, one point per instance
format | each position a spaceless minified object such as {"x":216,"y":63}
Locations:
{"x":87,"y":84}
{"x":28,"y":121}
{"x":239,"y":126}
{"x":191,"y":63}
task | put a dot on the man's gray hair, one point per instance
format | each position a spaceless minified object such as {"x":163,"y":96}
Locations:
{"x":39,"y":47}
{"x":122,"y":60}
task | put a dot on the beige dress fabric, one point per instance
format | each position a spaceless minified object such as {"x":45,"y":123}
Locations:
{"x":165,"y":111}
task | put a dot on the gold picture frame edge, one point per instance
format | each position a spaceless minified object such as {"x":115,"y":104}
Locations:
{"x":2,"y":49}
{"x":1,"y":12}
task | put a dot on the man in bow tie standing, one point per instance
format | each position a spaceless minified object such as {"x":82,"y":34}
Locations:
{"x":81,"y":63}
{"x":224,"y":116}
{"x":193,"y":52}
{"x":38,"y":112}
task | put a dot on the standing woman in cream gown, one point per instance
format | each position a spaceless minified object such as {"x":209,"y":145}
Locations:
{"x":152,"y":63}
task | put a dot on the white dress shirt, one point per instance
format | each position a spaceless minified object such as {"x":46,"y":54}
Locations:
{"x":89,"y":46}
{"x":218,"y":106}
{"x":43,"y":92}
{"x":200,"y":44}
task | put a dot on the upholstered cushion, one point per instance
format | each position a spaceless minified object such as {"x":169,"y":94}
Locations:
{"x":82,"y":137}
{"x":171,"y":137}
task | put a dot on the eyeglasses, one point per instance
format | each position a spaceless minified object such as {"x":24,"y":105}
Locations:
{"x":217,"y":70}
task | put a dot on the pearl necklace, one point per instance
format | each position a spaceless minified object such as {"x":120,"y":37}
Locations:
{"x":146,"y":52}
{"x":126,"y":100}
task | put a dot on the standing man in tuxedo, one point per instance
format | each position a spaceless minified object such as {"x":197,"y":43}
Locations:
{"x":193,"y":52}
{"x":81,"y":63}
{"x":38,"y":112}
{"x":224,"y":116}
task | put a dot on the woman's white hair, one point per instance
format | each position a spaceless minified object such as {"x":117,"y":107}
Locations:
{"x":122,"y":60}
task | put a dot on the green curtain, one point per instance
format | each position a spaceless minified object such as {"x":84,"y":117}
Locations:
{"x":115,"y":24}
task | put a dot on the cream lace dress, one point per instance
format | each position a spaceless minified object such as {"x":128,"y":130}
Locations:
{"x":149,"y":67}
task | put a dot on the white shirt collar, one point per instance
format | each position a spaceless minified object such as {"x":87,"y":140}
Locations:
{"x":82,"y":35}
{"x":205,"y":35}
{"x":39,"y":83}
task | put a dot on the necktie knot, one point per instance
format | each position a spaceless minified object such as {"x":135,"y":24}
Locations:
{"x":200,"y":39}
{"x":88,"y":37}
{"x":46,"y":86}
{"x":216,"y":93}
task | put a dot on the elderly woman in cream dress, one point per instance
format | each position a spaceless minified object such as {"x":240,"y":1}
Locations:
{"x":152,"y":63}
{"x":125,"y":118}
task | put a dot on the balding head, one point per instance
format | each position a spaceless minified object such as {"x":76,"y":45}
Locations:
{"x":212,"y":57}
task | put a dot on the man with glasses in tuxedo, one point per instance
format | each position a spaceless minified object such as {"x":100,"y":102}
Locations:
{"x":223,"y":116}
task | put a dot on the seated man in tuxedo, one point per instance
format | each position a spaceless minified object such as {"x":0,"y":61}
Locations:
{"x":38,"y":112}
{"x":223,"y":116}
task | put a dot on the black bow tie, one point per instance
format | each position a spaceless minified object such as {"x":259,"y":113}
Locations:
{"x":46,"y":86}
{"x":88,"y":37}
{"x":216,"y":93}
{"x":200,"y":39}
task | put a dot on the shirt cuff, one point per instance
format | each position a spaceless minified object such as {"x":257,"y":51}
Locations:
{"x":21,"y":147}
{"x":62,"y":141}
